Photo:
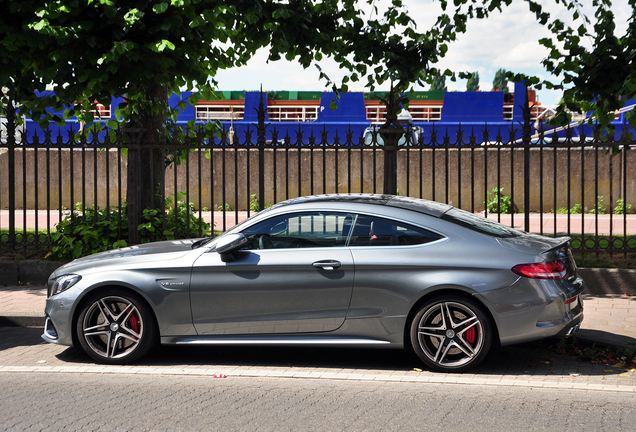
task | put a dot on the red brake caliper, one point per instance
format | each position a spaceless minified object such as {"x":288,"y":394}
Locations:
{"x":134,"y":322}
{"x":471,"y":335}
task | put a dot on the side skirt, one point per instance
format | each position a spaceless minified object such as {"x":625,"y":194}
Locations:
{"x":278,"y":340}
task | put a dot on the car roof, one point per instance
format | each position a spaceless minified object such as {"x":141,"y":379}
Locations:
{"x":431,"y":208}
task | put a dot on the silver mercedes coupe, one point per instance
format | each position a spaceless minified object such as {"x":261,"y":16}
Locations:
{"x":357,"y":270}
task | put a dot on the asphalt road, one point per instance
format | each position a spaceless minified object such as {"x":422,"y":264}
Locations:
{"x":34,"y":402}
{"x":45,"y":387}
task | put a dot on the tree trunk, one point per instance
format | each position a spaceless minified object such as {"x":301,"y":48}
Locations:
{"x":146,"y":168}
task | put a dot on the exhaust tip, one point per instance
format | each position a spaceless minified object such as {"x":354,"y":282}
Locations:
{"x":573,"y":330}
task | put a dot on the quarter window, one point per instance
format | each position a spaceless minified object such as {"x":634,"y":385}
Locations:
{"x":480,"y":224}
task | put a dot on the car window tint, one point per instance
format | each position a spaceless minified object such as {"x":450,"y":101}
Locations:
{"x":476,"y":222}
{"x":300,"y":230}
{"x":375,"y":231}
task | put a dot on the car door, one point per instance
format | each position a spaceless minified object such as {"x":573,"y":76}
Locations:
{"x":295,"y":276}
{"x":392,"y":261}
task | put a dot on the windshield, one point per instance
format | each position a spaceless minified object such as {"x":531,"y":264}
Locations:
{"x":207,"y":240}
{"x":476,"y":222}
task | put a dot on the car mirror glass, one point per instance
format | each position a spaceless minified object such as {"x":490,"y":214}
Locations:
{"x":231,"y":243}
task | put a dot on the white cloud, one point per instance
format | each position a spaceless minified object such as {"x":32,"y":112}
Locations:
{"x":524,"y":56}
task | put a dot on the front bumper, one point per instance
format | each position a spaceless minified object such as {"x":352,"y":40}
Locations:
{"x":59,"y":319}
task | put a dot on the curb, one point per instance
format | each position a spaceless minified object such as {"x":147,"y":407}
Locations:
{"x":602,"y":338}
{"x":22,"y":321}
{"x":603,"y":281}
{"x":27,"y":272}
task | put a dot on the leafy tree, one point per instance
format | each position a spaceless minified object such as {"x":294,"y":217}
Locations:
{"x":146,"y":49}
{"x":601,"y":78}
{"x":473,"y":82}
{"x":19,"y":75}
{"x":500,"y":82}
{"x":439,"y":83}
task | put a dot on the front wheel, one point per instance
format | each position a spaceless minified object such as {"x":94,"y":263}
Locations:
{"x":451,"y":333}
{"x":116,"y":327}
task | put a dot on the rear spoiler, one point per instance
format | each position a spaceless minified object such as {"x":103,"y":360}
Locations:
{"x":563,"y":241}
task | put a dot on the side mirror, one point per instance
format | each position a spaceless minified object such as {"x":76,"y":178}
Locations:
{"x":227,"y":245}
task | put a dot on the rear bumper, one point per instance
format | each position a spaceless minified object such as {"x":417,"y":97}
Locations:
{"x":532,"y":310}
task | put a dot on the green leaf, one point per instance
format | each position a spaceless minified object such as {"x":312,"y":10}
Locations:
{"x":160,"y":8}
{"x":40,"y":25}
{"x":160,"y":46}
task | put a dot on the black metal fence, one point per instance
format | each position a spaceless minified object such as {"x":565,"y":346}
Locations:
{"x":571,"y":186}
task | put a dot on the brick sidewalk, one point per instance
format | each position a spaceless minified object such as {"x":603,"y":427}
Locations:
{"x":22,"y":300}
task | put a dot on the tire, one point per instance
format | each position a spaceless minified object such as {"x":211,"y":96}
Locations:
{"x":116,"y":327}
{"x":451,"y":333}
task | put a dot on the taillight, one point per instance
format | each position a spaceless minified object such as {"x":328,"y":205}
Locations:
{"x":547,"y":270}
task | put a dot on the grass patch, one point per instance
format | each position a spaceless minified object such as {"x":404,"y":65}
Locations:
{"x":605,"y":260}
{"x":603,"y":251}
{"x":594,"y":251}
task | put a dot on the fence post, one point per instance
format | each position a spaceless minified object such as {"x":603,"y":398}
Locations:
{"x":133,"y":188}
{"x":260,"y":140}
{"x":526,"y":138}
{"x":391,"y":132}
{"x":11,"y":173}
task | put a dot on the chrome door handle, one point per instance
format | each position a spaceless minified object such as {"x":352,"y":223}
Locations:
{"x":327,"y":264}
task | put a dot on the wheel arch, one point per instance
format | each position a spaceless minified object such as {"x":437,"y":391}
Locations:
{"x":462,"y":292}
{"x":86,"y":296}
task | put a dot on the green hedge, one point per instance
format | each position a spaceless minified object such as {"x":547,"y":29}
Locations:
{"x":89,"y":230}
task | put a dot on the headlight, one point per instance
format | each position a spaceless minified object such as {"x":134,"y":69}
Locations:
{"x":64,"y":282}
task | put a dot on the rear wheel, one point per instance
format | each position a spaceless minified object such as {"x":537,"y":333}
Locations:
{"x":116,"y":327}
{"x":451,"y":333}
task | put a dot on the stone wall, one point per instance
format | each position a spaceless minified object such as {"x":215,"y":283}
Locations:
{"x":462,"y":177}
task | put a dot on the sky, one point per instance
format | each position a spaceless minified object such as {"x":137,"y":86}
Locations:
{"x":507,"y":40}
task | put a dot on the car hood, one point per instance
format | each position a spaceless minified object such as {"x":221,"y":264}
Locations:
{"x":131,"y":255}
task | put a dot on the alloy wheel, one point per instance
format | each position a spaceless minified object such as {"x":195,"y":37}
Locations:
{"x":451,"y":335}
{"x":112,"y":327}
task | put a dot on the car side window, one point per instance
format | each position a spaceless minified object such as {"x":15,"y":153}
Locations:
{"x":300,"y":230}
{"x":376,"y":231}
